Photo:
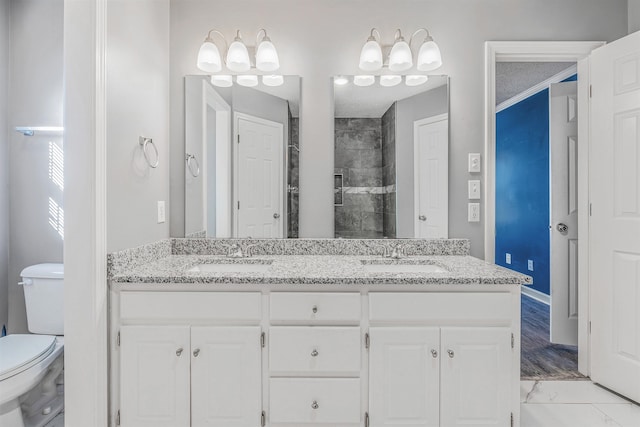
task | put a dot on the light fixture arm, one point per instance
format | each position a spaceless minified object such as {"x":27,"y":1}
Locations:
{"x":416,"y":32}
{"x":374,"y":31}
{"x":210,"y":39}
{"x":265,"y":38}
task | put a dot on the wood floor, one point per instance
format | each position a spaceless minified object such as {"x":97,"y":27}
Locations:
{"x":541,"y":359}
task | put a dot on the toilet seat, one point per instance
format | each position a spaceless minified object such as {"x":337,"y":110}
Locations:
{"x":20,"y":352}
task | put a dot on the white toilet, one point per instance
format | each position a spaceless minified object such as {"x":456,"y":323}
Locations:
{"x":31,"y":365}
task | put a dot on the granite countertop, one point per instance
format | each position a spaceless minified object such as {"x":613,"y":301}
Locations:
{"x":321,"y":269}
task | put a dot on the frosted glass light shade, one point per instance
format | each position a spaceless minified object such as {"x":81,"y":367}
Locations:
{"x":238,"y":57}
{"x":415,"y":80}
{"x":267,"y":56}
{"x":429,"y":57}
{"x":272,"y":80}
{"x":247,"y":80}
{"x":400,"y":58}
{"x":364,"y":80}
{"x":371,"y":56}
{"x":340,"y":80}
{"x":222,"y":81}
{"x":209,"y":59}
{"x":390,"y":80}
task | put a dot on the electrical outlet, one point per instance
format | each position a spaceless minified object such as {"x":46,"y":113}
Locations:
{"x":474,"y":212}
{"x":474,"y":189}
{"x":161,"y":212}
{"x":507,"y":258}
{"x":474,"y":162}
{"x":530,"y":265}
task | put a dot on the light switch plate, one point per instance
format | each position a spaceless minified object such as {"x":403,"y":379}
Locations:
{"x":507,"y":258}
{"x":474,"y":189}
{"x":474,"y":162}
{"x":474,"y":212}
{"x":530,"y":265}
{"x":161,"y":212}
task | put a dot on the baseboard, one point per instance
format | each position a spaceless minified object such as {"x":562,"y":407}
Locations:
{"x":536,"y":295}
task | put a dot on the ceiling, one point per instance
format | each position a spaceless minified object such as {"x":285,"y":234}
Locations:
{"x":513,"y":78}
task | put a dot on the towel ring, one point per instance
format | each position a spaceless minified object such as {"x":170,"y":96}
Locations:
{"x":191,"y":160}
{"x":144,"y":143}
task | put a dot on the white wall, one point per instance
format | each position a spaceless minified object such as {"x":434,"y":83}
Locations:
{"x":634,"y":15}
{"x":137,"y":105}
{"x":318,"y":39}
{"x":34,"y":99}
{"x":4,"y":163}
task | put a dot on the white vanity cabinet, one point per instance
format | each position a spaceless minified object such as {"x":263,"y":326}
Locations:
{"x":190,"y":359}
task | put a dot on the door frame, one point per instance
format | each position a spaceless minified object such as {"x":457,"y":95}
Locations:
{"x":543,"y":51}
{"x":416,"y":165}
{"x":281,"y":169}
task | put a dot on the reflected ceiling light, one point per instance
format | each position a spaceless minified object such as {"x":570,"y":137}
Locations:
{"x":247,"y":80}
{"x":415,"y":80}
{"x":400,"y":58}
{"x":371,"y":53}
{"x":238,"y":55}
{"x":390,"y":80}
{"x":222,"y":81}
{"x":209,"y":59}
{"x":272,"y":80}
{"x":340,"y":80}
{"x":364,"y":80}
{"x":266,"y":54}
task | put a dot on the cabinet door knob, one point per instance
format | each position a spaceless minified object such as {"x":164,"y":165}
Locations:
{"x":315,"y":309}
{"x":422,"y":218}
{"x":315,"y":405}
{"x":196,"y":352}
{"x":314,"y":353}
{"x":434,"y":353}
{"x":450,"y":353}
{"x":179,"y":352}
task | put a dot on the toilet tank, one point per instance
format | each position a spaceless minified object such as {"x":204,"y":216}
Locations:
{"x":43,"y":286}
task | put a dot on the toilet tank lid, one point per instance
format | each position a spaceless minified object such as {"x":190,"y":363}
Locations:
{"x":44,"y":271}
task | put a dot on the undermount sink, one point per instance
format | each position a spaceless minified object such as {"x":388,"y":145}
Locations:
{"x":402,"y":266}
{"x":231,"y":267}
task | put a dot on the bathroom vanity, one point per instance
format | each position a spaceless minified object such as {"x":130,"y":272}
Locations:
{"x":339,"y":336}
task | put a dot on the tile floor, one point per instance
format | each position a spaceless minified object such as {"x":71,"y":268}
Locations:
{"x":558,"y":404}
{"x":574,"y":404}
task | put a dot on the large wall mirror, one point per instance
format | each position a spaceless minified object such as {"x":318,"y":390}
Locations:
{"x":391,"y":157}
{"x":241,"y":159}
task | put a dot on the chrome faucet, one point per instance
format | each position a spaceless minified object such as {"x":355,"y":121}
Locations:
{"x":386,"y":252}
{"x":236,"y":251}
{"x":398,"y":252}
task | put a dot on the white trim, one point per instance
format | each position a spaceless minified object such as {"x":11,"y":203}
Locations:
{"x":536,"y":295}
{"x":281,"y":165}
{"x":556,"y":78}
{"x":536,"y":52}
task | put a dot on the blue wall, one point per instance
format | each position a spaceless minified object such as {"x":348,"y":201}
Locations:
{"x":522,"y":188}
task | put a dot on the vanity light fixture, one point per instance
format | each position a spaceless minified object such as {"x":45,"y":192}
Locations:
{"x":364,"y":80}
{"x":222,"y":80}
{"x":400,"y":57}
{"x":273,"y":80}
{"x":340,"y":81}
{"x":390,"y":80}
{"x":415,"y":80}
{"x":247,"y":80}
{"x":236,"y":56}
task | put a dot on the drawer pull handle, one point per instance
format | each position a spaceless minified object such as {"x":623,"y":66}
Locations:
{"x":315,"y":309}
{"x":434,"y":353}
{"x":314,"y":353}
{"x":450,"y":353}
{"x":315,"y":405}
{"x":196,"y":352}
{"x":179,"y":352}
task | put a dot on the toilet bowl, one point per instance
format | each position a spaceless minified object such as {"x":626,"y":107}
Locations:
{"x":31,"y":365}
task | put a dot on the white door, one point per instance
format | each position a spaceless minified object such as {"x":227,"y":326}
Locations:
{"x":404,"y":377}
{"x":563,"y":155}
{"x":154,"y":376}
{"x":475,"y":377}
{"x":259,"y":178}
{"x":431,"y":169}
{"x":226,"y":379}
{"x":614,"y":179}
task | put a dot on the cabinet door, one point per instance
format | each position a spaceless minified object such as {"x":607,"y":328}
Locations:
{"x":404,"y":377}
{"x":226,"y":381}
{"x":475,"y":377}
{"x":154,"y":376}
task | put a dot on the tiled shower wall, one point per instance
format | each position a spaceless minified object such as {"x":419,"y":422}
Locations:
{"x":358,"y":157}
{"x":389,"y":172}
{"x":293,"y":195}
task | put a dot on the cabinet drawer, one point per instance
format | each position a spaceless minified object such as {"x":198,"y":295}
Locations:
{"x":444,"y":308}
{"x":315,"y":308}
{"x":241,"y":307}
{"x":309,"y":351}
{"x":315,"y":401}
